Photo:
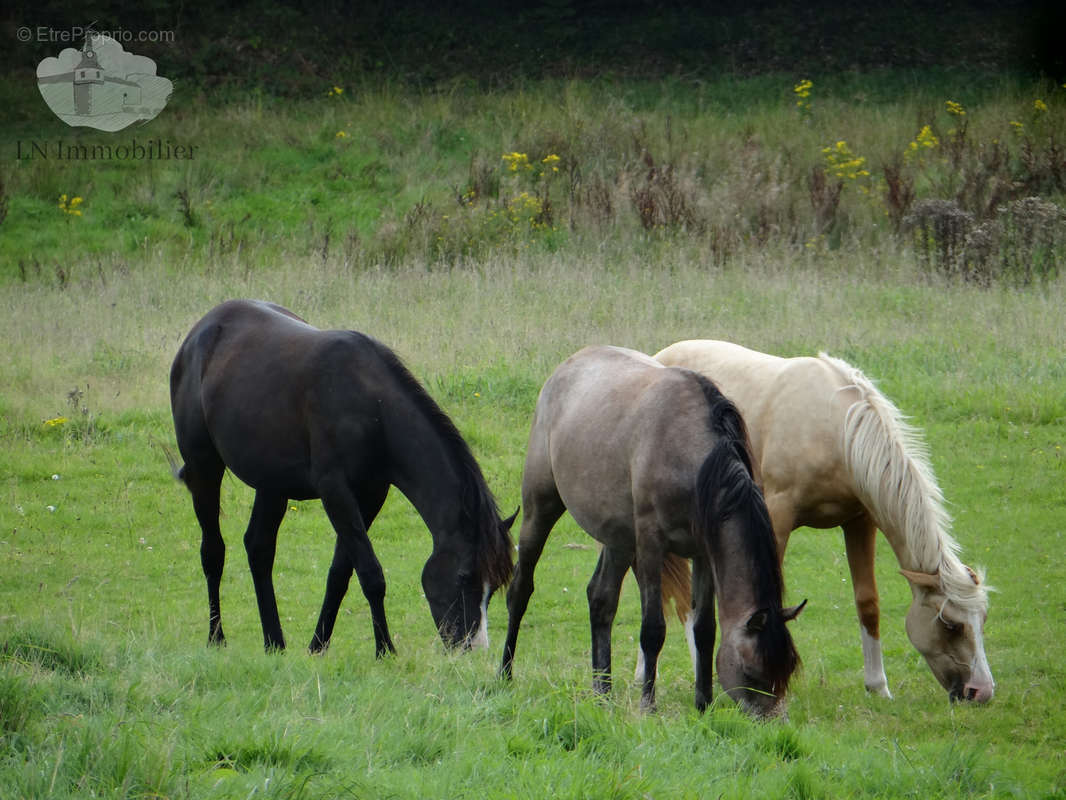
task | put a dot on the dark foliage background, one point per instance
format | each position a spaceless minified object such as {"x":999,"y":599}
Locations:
{"x":290,"y":48}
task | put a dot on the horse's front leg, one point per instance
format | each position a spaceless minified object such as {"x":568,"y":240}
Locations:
{"x":260,"y":542}
{"x":860,"y":541}
{"x":703,"y":631}
{"x":371,"y":498}
{"x":337,"y":580}
{"x":603,"y":591}
{"x":353,"y":543}
{"x":541,"y":510}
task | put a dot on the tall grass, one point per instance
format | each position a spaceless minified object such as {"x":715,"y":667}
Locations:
{"x":106,"y":687}
{"x":379,"y":174}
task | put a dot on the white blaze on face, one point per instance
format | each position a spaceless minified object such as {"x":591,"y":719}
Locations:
{"x":481,"y":638}
{"x":980,"y":673}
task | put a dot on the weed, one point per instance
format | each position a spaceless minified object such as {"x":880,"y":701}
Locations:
{"x":19,"y":701}
{"x":940,"y":228}
{"x":1031,"y":236}
{"x":80,"y":425}
{"x":70,"y":206}
{"x":825,"y":198}
{"x":185,"y":205}
{"x":802,"y":91}
{"x":665,"y":200}
{"x":898,"y":193}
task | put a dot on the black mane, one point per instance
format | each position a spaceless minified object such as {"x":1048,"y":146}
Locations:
{"x":494,"y":546}
{"x":726,"y":488}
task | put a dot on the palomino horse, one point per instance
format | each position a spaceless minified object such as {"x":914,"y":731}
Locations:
{"x":833,"y":450}
{"x":300,"y":413}
{"x":653,"y":461}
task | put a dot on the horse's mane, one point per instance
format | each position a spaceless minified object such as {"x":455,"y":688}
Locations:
{"x":494,"y":545}
{"x":725,"y":489}
{"x":890,"y":461}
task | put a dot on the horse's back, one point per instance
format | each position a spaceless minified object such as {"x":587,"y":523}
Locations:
{"x":226,"y":327}
{"x":794,"y":409}
{"x":612,"y":427}
{"x":271,"y":393}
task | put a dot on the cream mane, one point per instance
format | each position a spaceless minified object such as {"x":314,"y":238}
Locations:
{"x":889,"y":460}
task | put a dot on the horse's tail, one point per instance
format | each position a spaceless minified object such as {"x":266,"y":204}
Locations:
{"x":177,"y":469}
{"x":677,"y":586}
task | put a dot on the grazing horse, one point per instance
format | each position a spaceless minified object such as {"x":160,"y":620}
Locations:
{"x":653,"y":461}
{"x":299,"y":413}
{"x":833,"y":450}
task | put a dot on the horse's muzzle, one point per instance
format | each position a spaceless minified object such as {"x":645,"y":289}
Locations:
{"x":973,"y":693}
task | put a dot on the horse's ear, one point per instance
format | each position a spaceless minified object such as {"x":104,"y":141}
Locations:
{"x":505,"y":524}
{"x":925,"y":580}
{"x":757,"y":621}
{"x":790,"y":613}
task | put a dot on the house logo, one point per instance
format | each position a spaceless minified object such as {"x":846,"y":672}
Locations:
{"x":102,"y":85}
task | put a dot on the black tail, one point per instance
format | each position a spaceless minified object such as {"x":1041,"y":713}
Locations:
{"x":177,"y":469}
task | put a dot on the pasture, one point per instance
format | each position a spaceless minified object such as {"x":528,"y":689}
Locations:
{"x":106,"y":685}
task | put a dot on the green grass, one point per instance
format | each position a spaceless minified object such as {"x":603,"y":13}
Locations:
{"x":374,"y":176}
{"x":107,"y":685}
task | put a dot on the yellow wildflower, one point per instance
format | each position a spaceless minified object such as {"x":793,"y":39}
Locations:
{"x":1040,"y":105}
{"x":843,"y":163}
{"x":955,"y":108}
{"x":803,"y":95}
{"x":72,"y":207}
{"x":926,"y":138}
{"x":516,"y":161}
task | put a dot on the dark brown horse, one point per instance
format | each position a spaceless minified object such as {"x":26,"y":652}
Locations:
{"x":652,"y":461}
{"x":299,"y":413}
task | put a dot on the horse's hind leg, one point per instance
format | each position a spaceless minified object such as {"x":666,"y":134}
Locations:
{"x":344,"y":513}
{"x":603,"y":591}
{"x":204,"y":479}
{"x":340,"y":574}
{"x":260,"y":542}
{"x":860,"y":540}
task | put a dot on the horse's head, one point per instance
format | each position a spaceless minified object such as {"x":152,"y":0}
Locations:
{"x":457,"y":598}
{"x":950,"y":637}
{"x":756,"y":659}
{"x":458,"y":583}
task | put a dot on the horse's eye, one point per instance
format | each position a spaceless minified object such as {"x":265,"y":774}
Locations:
{"x":951,"y":627}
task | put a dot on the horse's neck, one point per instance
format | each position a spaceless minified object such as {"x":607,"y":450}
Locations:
{"x":425,"y":467}
{"x":740,"y":585}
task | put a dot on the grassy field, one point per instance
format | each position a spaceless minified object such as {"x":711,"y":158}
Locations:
{"x":106,"y":686}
